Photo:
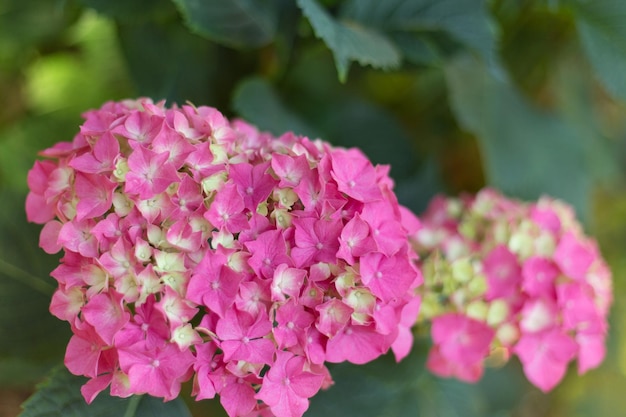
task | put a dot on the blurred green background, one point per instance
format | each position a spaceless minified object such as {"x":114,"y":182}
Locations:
{"x":524,"y":95}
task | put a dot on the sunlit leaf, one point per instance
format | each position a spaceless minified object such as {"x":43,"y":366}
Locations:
{"x":237,"y":23}
{"x":71,"y":82}
{"x":526,"y":152}
{"x":350,"y":41}
{"x":59,"y":396}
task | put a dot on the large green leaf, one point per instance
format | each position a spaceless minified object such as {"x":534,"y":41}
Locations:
{"x":166,"y":61}
{"x":410,"y":23}
{"x":416,"y":191}
{"x":379,"y":388}
{"x":527,"y":152}
{"x":384,"y":388}
{"x":59,"y":396}
{"x":350,"y":41}
{"x":237,"y":23}
{"x":352,"y":121}
{"x":602,"y":31}
{"x":256,"y":101}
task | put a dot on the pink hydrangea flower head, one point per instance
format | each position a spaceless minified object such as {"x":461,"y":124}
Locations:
{"x":200,"y":248}
{"x":517,"y":276}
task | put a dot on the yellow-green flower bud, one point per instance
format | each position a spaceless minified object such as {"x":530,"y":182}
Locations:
{"x":282,"y":217}
{"x":213,"y":182}
{"x":477,"y":286}
{"x":121,"y":169}
{"x":498,"y":312}
{"x":477,"y":310}
{"x":344,"y":282}
{"x":122,"y":204}
{"x":545,"y":245}
{"x":507,"y":334}
{"x":521,"y":243}
{"x":462,"y":270}
{"x":219,"y":154}
{"x":286,"y":197}
{"x":468,"y":229}
{"x":431,"y":307}
{"x":262,"y":208}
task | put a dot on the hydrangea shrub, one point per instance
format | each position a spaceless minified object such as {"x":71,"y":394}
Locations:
{"x":199,"y":248}
{"x":503,"y":278}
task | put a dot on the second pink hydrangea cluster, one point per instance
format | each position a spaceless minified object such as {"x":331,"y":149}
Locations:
{"x":504,"y":277}
{"x":198,"y":247}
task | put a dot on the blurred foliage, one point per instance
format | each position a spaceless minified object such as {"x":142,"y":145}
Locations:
{"x":59,"y":396}
{"x":525,"y":95}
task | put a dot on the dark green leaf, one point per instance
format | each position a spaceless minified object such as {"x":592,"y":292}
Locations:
{"x":354,"y":122}
{"x":236,"y":23}
{"x":527,"y":152}
{"x":350,"y":41}
{"x":379,"y":388}
{"x":256,"y":101}
{"x":27,"y":329}
{"x":417,"y":48}
{"x":179,"y":69}
{"x":465,"y":20}
{"x":415,"y":192}
{"x":602,"y":31}
{"x":60,"y":396}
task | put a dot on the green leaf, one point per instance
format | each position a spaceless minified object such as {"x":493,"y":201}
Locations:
{"x":59,"y":396}
{"x":417,"y":48}
{"x":352,"y":121}
{"x":416,"y":191}
{"x":379,"y":388}
{"x":180,"y":69}
{"x":600,"y":25}
{"x":409,"y":22}
{"x":27,"y":330}
{"x":350,"y":41}
{"x":236,"y":23}
{"x":384,"y":388}
{"x":256,"y":101}
{"x":526,"y":151}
